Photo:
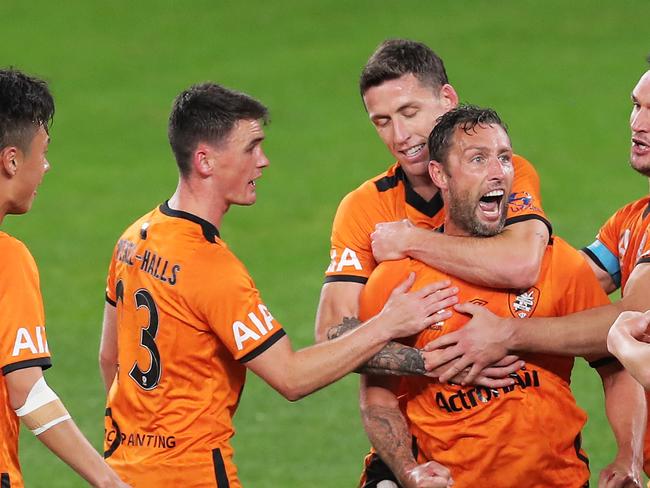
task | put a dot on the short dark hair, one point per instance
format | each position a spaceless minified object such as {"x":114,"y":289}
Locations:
{"x":207,"y":112}
{"x":394,"y":58}
{"x":465,"y":116}
{"x":25,"y":104}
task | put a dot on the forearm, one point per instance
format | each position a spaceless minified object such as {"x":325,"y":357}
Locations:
{"x":579,"y":334}
{"x":625,"y":406}
{"x":392,"y":359}
{"x":507,"y":260}
{"x":389,"y":435}
{"x":108,"y":370}
{"x":68,"y":443}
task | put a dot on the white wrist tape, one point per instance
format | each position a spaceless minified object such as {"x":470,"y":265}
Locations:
{"x":42,"y":409}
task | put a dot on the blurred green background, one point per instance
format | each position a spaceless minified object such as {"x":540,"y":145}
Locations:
{"x":560,"y":74}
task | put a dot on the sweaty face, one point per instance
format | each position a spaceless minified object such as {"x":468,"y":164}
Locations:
{"x":404,"y":111}
{"x":31,"y":165}
{"x":239,"y":162}
{"x":640,"y":125}
{"x":478,"y":181}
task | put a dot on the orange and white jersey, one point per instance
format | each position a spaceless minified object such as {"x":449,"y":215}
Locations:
{"x":389,"y":197}
{"x":525,"y":435}
{"x":23,"y":343}
{"x":188,"y":319}
{"x":623,"y":241}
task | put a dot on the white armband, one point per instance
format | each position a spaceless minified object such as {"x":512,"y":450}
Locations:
{"x":42,"y":409}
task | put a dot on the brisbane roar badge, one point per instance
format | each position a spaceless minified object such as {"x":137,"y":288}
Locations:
{"x":524,"y":304}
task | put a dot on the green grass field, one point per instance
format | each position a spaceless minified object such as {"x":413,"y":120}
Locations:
{"x":560,"y":73}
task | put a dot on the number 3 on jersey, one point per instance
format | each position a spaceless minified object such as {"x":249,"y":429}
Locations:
{"x":150,"y":378}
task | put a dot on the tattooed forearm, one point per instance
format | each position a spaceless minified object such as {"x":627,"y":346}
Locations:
{"x":389,"y":434}
{"x":394,"y":359}
{"x":347,"y":325}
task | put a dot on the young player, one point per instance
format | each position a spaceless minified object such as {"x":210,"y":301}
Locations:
{"x":184,"y":320}
{"x":26,"y":110}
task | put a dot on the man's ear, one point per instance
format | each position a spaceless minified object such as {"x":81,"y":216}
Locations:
{"x":8,"y":162}
{"x":438,"y":175}
{"x":448,"y":96}
{"x":203,"y":160}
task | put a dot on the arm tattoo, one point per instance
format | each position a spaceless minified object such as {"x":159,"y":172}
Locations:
{"x":394,"y":359}
{"x":389,"y":434}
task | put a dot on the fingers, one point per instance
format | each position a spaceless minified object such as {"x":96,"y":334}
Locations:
{"x":405,"y":285}
{"x":506,"y":361}
{"x":469,"y":308}
{"x":435,"y":359}
{"x":497,"y":372}
{"x":436,"y":286}
{"x":442,"y":342}
{"x":494,"y":382}
{"x":455,"y":368}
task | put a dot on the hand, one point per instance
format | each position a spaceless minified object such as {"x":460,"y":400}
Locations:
{"x":480,"y":343}
{"x":409,"y":313}
{"x":620,"y":474}
{"x":628,"y":325}
{"x":112,"y":481}
{"x":428,"y":475}
{"x":497,"y":375}
{"x":389,"y":240}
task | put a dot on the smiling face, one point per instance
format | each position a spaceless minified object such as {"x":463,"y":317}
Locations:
{"x":404,"y":111}
{"x":238,"y":162}
{"x":640,"y":126}
{"x":475,"y":180}
{"x":30,"y":165}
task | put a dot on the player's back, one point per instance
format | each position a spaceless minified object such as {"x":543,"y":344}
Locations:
{"x":169,"y":410}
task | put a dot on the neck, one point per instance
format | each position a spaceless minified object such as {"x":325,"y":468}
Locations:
{"x":190,"y":197}
{"x":451,"y":229}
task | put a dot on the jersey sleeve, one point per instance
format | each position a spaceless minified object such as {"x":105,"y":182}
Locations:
{"x":383,"y":280}
{"x":525,"y":201}
{"x":111,"y":296}
{"x":23,"y":342}
{"x":351,"y":256}
{"x":578,"y":288}
{"x":232,"y":306}
{"x":604,"y":250}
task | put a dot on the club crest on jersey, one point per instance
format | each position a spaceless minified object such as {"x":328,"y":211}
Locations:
{"x":524,"y":304}
{"x":520,"y":201}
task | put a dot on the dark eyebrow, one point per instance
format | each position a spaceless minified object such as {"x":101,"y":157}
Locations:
{"x":255,"y":142}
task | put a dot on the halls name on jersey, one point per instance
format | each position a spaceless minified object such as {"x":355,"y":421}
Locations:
{"x":149,"y":262}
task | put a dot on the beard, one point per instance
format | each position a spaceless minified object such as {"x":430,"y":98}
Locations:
{"x":462,"y":211}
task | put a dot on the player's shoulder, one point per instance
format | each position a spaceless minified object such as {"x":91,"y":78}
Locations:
{"x":136,"y":227}
{"x":520,"y":163}
{"x":374,"y":187}
{"x":13,"y":252}
{"x":214,"y":265}
{"x":635,"y":208}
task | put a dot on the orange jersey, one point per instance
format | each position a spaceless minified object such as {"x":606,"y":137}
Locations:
{"x":526,"y":435}
{"x":389,"y":197}
{"x":188,"y":318}
{"x":22,"y":341}
{"x":623,"y":242}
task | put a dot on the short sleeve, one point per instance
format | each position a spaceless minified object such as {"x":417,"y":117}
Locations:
{"x":111,"y":292}
{"x":232,"y":307}
{"x":23,"y":342}
{"x":351,"y":256}
{"x":577,"y":286}
{"x":525,"y":201}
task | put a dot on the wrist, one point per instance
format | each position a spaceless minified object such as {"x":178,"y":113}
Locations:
{"x":513,"y":340}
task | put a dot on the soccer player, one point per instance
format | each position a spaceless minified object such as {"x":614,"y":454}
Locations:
{"x":183,"y":319}
{"x":404,"y":88}
{"x":619,"y":257}
{"x":525,"y":435}
{"x":26,"y":110}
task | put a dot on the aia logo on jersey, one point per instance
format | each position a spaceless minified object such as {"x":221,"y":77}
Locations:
{"x":520,"y":201}
{"x":524,"y":304}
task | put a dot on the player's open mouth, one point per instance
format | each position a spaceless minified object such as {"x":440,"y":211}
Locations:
{"x":640,"y":146}
{"x":414,"y":151}
{"x":252,"y":183}
{"x":490,"y":204}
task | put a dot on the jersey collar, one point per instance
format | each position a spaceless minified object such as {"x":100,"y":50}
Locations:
{"x":210,"y":232}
